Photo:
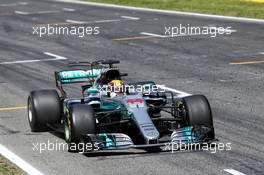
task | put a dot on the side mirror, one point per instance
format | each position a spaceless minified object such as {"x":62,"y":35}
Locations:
{"x":123,"y":74}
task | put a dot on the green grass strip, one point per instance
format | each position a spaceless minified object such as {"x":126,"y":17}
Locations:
{"x":239,"y":8}
{"x":7,"y":168}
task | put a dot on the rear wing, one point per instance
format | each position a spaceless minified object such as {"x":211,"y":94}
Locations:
{"x":82,"y":72}
{"x":76,"y":76}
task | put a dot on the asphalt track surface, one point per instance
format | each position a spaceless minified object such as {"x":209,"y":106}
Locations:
{"x":196,"y":64}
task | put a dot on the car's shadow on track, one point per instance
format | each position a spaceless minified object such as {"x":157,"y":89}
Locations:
{"x":128,"y":153}
{"x":117,"y":154}
{"x":58,"y":134}
{"x":108,"y":153}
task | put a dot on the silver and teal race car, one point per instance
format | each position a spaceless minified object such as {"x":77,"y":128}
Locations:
{"x":145,"y":119}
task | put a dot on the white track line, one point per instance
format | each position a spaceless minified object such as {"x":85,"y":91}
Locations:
{"x":57,"y":57}
{"x":23,"y":3}
{"x":229,"y":18}
{"x":13,"y":4}
{"x":167,"y":36}
{"x":193,"y":34}
{"x":75,"y":22}
{"x":101,"y":21}
{"x":181,"y":93}
{"x":21,"y":13}
{"x":45,"y":12}
{"x":34,"y":13}
{"x":234,"y":172}
{"x":105,"y":21}
{"x":130,"y":17}
{"x":54,"y":55}
{"x":29,"y":169}
{"x":152,"y":34}
{"x":179,"y":35}
{"x":68,"y":9}
{"x":92,"y":22}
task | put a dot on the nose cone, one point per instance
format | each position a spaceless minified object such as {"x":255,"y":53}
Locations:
{"x":145,"y":124}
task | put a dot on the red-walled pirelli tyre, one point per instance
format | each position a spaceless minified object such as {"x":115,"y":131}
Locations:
{"x":198,"y":111}
{"x":43,"y":108}
{"x":79,"y":120}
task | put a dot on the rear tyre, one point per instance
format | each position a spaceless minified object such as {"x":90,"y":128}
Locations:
{"x":198,"y":112}
{"x":79,"y":120}
{"x":43,"y":108}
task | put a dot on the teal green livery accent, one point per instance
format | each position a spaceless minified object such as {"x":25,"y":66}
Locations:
{"x":93,"y":91}
{"x":110,"y":141}
{"x":109,"y":106}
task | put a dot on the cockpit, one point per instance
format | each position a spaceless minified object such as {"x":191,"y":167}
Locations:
{"x":109,"y":75}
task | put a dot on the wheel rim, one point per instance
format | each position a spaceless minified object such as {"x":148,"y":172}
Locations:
{"x":67,"y":131}
{"x":183,"y":112}
{"x":30,"y":115}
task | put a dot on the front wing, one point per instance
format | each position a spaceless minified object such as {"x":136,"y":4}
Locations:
{"x":119,"y":141}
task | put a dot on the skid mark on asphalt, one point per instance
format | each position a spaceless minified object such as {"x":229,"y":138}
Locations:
{"x":246,"y":62}
{"x":13,"y":108}
{"x":7,"y":131}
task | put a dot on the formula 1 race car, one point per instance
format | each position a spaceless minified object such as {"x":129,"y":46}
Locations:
{"x":145,"y":118}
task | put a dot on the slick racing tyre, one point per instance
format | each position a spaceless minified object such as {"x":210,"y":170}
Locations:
{"x":43,"y":108}
{"x":79,"y":120}
{"x":198,"y":112}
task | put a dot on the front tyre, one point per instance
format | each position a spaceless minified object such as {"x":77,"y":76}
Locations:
{"x":79,"y":120}
{"x":198,"y":112}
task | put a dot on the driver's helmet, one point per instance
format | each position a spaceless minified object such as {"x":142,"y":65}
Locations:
{"x":116,"y":88}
